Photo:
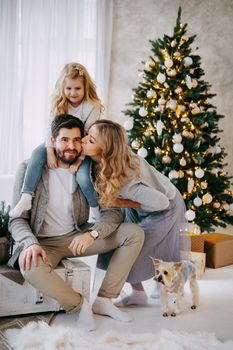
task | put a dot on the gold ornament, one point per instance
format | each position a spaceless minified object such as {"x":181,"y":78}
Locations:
{"x":204,"y":185}
{"x":183,"y":161}
{"x":166,"y":159}
{"x":216,"y":205}
{"x":189,"y":172}
{"x":207,"y":198}
{"x":157,"y":151}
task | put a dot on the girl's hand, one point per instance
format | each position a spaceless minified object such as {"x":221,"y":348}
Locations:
{"x":51,"y":158}
{"x":74,"y":167}
{"x":124,"y":203}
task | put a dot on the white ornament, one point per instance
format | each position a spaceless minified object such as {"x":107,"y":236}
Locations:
{"x":128,"y":124}
{"x":185,"y":120}
{"x":161,"y":101}
{"x":188,"y":61}
{"x":183,"y":161}
{"x":218,"y":150}
{"x":135,"y":144}
{"x":194,"y":83}
{"x":231,"y":207}
{"x":177,"y":54}
{"x":190,"y":185}
{"x":197,"y":201}
{"x":178,"y":147}
{"x":188,"y":81}
{"x":142,"y":152}
{"x":172,"y":104}
{"x":177,"y":138}
{"x":161,"y":78}
{"x":199,"y":173}
{"x":178,"y":90}
{"x":173,"y":174}
{"x":173,"y":43}
{"x":142,"y":112}
{"x":159,"y":127}
{"x":207,"y":198}
{"x":226,"y":206}
{"x":190,"y":215}
{"x":172,"y":73}
{"x":150,"y":93}
{"x":195,"y":110}
{"x":168,"y":63}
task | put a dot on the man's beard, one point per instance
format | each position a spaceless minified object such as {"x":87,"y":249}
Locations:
{"x":61,"y":156}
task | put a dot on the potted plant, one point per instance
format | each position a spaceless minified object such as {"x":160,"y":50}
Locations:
{"x":4,"y":218}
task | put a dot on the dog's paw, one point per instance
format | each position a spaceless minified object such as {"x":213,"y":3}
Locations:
{"x":165,"y":314}
{"x":173,"y":314}
{"x":193,"y":307}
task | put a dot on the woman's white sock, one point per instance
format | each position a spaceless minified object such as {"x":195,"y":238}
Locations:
{"x":85,"y":317}
{"x":104,"y":306}
{"x":25,"y":203}
{"x":137,"y":297}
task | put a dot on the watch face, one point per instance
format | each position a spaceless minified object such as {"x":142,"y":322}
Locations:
{"x":94,"y":234}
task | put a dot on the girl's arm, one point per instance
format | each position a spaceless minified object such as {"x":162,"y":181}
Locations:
{"x":51,"y":158}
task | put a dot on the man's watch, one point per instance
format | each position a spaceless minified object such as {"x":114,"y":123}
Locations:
{"x":94,"y":234}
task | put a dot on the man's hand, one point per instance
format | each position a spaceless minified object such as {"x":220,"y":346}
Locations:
{"x":51,"y":158}
{"x":30,"y":255}
{"x":80,"y":243}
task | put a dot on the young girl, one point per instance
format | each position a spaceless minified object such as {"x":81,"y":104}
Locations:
{"x":123,"y":179}
{"x":75,"y":94}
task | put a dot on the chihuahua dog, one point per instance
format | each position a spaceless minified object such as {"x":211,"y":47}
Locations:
{"x":172,"y":277}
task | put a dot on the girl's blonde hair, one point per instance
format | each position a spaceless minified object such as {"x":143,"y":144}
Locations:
{"x":73,"y":71}
{"x":118,"y":162}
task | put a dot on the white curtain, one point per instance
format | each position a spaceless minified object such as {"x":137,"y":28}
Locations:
{"x":37,"y":37}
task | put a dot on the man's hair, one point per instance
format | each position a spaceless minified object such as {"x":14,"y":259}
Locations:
{"x":66,"y":121}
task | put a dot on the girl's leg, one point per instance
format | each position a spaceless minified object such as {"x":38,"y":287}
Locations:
{"x":83,"y":178}
{"x":137,"y":297}
{"x":31,"y":180}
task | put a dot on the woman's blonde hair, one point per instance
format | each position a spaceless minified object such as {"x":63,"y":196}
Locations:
{"x":73,"y":71}
{"x":118,"y":162}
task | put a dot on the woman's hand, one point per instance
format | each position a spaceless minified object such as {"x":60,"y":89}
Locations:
{"x":51,"y":158}
{"x":124,"y":203}
{"x":74,"y":167}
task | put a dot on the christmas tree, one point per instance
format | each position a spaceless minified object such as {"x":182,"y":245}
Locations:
{"x":174,"y":126}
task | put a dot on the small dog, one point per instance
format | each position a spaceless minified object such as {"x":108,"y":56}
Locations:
{"x":172,"y":277}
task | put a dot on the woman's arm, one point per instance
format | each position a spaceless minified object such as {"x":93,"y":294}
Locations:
{"x":124,"y":203}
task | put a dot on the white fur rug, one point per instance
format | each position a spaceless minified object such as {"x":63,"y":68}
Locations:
{"x":40,"y":336}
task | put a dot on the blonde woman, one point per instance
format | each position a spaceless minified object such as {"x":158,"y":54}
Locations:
{"x":75,"y":94}
{"x":123,"y":179}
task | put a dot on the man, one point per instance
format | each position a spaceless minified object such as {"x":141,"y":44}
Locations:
{"x":56,"y":227}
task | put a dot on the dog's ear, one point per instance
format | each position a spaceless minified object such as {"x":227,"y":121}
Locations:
{"x":178,"y":266}
{"x":155,"y":261}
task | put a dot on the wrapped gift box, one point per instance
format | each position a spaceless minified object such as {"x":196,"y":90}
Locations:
{"x":219,"y":249}
{"x":196,"y":241}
